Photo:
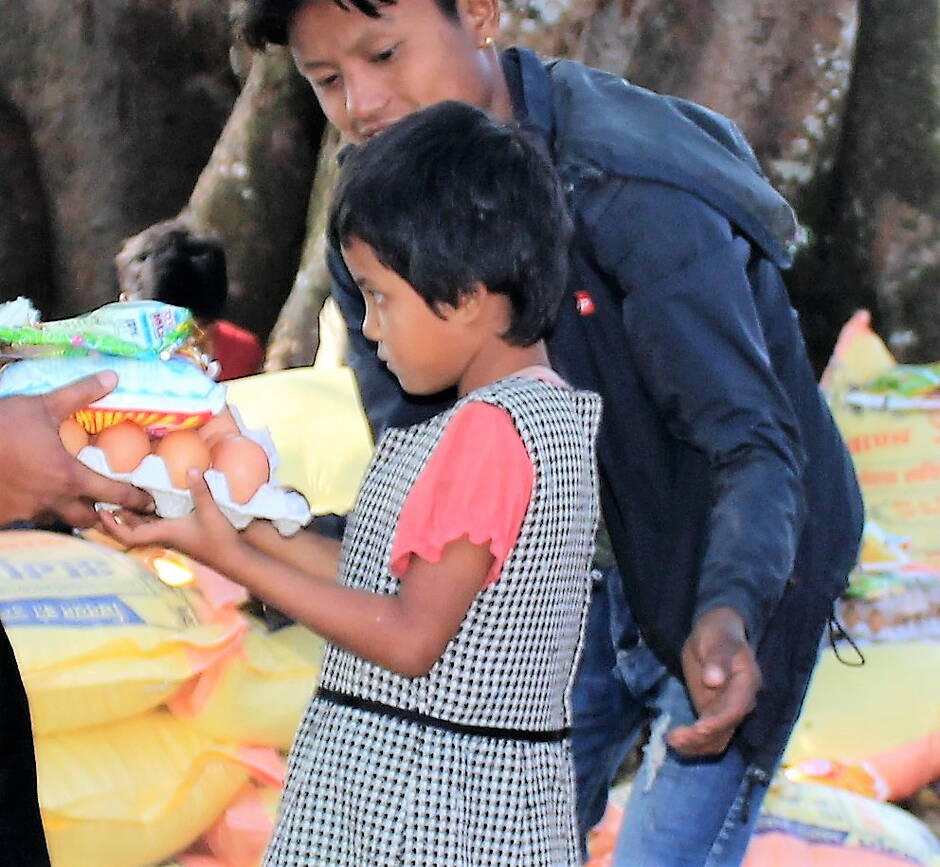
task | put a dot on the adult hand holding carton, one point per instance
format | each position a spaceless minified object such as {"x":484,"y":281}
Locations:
{"x":37,"y":475}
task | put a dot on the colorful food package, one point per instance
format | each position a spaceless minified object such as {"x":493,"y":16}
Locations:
{"x":890,"y":597}
{"x":133,"y":329}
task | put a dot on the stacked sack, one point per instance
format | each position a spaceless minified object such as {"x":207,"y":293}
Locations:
{"x":155,"y":708}
{"x":869,"y":731}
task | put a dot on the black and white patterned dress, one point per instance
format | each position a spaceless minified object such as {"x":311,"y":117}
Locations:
{"x":374,"y":788}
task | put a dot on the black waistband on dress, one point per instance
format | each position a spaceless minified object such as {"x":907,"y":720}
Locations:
{"x":346,"y":700}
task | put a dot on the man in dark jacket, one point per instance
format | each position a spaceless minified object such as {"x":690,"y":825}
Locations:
{"x":730,"y":506}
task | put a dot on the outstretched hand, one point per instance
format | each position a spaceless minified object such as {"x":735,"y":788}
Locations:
{"x":37,"y":475}
{"x":205,"y":534}
{"x":722,"y":677}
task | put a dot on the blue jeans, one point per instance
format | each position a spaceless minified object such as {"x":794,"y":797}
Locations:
{"x":681,"y":811}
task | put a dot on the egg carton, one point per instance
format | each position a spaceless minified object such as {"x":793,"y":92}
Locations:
{"x":287,"y":509}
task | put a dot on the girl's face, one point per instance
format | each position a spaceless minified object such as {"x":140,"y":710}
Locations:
{"x":427,"y":352}
{"x":369,"y":72}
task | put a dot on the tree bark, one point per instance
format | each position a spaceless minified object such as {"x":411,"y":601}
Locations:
{"x":254,"y":192}
{"x":780,"y":71}
{"x":296,"y":336}
{"x":25,"y":240}
{"x":119,"y":102}
{"x":123,"y":101}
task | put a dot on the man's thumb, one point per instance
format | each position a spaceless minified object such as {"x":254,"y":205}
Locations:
{"x":714,"y":675}
{"x":64,"y":401}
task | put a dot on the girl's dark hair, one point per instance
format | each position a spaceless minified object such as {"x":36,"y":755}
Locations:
{"x":448,"y":198}
{"x":266,"y":22}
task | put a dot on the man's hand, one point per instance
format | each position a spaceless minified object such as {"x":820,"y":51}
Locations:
{"x":37,"y":475}
{"x":722,"y":678}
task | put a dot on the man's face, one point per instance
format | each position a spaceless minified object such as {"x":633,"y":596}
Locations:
{"x":368,"y":73}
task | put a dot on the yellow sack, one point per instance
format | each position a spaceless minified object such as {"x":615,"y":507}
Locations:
{"x":97,"y":636}
{"x":258,"y":692}
{"x":892,"y":439}
{"x":852,"y":713}
{"x":315,"y":419}
{"x":138,"y":791}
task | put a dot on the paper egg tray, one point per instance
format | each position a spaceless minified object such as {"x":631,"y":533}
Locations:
{"x":288,"y":510}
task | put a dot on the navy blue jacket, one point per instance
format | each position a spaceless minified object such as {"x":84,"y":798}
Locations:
{"x":724,"y":479}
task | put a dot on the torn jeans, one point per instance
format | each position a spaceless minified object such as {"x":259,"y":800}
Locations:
{"x":680,"y":811}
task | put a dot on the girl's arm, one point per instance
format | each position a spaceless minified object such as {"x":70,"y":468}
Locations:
{"x":406,"y":633}
{"x":307,"y":550}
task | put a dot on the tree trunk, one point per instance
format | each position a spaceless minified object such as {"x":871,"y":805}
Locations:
{"x":780,"y":71}
{"x":25,"y":240}
{"x":119,"y":102}
{"x":296,"y":336}
{"x":254,"y":192}
{"x":885,"y":229}
{"x":123,"y":101}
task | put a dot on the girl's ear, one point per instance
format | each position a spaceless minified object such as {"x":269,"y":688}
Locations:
{"x":480,"y":18}
{"x":470,"y":306}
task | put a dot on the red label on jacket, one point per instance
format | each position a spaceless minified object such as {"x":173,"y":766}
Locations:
{"x":584,"y":302}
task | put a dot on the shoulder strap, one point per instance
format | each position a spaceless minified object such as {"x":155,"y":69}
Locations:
{"x":603,"y":122}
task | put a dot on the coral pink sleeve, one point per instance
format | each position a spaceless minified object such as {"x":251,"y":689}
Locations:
{"x":476,"y":484}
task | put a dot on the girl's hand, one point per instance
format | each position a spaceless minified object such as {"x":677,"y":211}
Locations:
{"x":205,"y":534}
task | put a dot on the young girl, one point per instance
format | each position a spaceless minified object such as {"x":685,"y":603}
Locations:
{"x":439,"y":732}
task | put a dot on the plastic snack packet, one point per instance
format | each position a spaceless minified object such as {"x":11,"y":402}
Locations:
{"x":132,"y":329}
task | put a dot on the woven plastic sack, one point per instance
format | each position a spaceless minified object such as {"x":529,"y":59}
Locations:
{"x":139,"y":791}
{"x":315,"y":419}
{"x":97,"y":636}
{"x":808,"y":825}
{"x":257,"y":692}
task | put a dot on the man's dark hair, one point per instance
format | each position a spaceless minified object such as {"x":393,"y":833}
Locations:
{"x":267,"y":22}
{"x":188,"y":271}
{"x":447,"y":198}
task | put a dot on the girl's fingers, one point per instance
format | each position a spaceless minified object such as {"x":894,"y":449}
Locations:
{"x":204,"y":502}
{"x":130,"y":530}
{"x":198,"y":487}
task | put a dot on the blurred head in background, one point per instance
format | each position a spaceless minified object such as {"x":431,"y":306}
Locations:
{"x":168,"y":263}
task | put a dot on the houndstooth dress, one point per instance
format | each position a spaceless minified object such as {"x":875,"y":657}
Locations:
{"x":372,"y":788}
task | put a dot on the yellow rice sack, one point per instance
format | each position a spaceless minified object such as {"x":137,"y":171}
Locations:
{"x":852,"y":713}
{"x":317,"y":424}
{"x":258,"y":691}
{"x":97,"y":636}
{"x":138,"y":791}
{"x":808,"y":825}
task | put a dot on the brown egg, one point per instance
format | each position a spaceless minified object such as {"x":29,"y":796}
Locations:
{"x":244,"y":464}
{"x":74,"y":437}
{"x":180,"y":450}
{"x":125,"y":445}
